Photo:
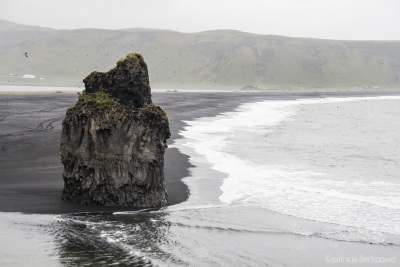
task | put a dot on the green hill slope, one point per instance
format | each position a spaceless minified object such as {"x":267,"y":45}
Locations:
{"x":211,"y":59}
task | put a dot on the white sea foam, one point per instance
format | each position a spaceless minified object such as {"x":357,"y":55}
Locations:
{"x":320,"y":184}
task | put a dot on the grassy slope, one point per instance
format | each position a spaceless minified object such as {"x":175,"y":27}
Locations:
{"x":200,"y":60}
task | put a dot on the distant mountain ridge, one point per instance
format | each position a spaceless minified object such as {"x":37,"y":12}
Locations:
{"x":212,"y":59}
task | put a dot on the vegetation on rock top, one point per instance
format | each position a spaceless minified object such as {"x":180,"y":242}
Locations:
{"x":127,"y":83}
{"x":134,"y":56}
{"x":122,"y":91}
{"x":97,"y":101}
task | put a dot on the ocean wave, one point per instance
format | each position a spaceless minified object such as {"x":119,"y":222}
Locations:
{"x":237,"y":143}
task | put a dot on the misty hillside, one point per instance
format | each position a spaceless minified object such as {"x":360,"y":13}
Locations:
{"x":197,"y":60}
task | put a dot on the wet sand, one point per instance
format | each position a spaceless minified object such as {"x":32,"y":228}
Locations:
{"x":30,"y":128}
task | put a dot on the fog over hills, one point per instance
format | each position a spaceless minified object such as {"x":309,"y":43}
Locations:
{"x":213,"y":59}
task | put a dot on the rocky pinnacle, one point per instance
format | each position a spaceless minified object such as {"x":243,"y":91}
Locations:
{"x":113,"y":140}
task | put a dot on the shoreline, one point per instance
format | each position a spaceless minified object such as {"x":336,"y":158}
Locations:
{"x":31,"y":180}
{"x":35,"y":89}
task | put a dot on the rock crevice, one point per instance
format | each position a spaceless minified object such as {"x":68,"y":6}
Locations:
{"x":113,"y":140}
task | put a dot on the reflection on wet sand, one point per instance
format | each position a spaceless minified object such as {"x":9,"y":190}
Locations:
{"x":123,"y":239}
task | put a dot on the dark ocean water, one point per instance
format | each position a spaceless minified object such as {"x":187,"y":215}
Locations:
{"x":309,"y":182}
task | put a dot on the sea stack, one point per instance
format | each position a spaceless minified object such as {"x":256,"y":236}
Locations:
{"x":113,"y":140}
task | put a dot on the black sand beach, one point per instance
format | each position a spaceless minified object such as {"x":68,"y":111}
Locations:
{"x":30,"y":127}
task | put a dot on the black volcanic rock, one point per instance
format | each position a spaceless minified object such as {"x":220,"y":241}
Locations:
{"x":113,"y":140}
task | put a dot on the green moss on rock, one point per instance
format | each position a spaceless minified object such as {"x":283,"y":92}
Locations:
{"x":101,"y":98}
{"x":131,"y":56}
{"x":98,"y":101}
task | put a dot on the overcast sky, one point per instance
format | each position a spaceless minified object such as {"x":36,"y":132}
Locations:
{"x":328,"y":19}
